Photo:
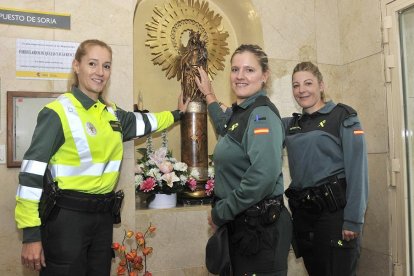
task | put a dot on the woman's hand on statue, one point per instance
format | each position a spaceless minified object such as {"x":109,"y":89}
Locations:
{"x":182,"y":106}
{"x":204,"y":83}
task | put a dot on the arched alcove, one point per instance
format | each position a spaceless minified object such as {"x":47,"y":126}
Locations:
{"x":241,"y":22}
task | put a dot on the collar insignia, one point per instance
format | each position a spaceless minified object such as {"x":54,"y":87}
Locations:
{"x":234,"y":126}
{"x":322,"y":123}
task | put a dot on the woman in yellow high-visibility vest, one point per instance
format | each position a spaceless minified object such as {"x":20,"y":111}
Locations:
{"x":79,"y":138}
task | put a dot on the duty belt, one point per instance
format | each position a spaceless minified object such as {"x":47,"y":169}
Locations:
{"x":93,"y":203}
{"x":330,"y":196}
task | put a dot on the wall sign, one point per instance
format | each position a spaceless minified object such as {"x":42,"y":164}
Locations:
{"x":44,"y":59}
{"x":34,"y":18}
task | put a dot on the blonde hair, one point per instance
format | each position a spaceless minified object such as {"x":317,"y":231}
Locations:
{"x":314,"y":70}
{"x":83,"y":50}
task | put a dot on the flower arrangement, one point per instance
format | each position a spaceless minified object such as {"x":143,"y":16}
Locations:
{"x":159,"y":172}
{"x":131,"y":261}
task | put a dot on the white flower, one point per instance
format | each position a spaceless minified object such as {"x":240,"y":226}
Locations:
{"x":138,"y":180}
{"x":195,"y":173}
{"x":170,"y":178}
{"x":180,"y":166}
{"x":183,"y":179}
{"x":211,"y":172}
{"x":154,"y":172}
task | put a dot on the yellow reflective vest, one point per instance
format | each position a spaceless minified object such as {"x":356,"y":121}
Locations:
{"x":90,"y":158}
{"x":81,"y":141}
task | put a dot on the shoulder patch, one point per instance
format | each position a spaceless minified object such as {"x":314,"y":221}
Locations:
{"x":261,"y":130}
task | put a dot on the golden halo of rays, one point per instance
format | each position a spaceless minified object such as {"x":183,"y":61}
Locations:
{"x":172,"y":21}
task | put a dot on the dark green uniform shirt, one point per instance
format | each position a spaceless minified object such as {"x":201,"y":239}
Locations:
{"x":324,"y":146}
{"x":250,"y":170}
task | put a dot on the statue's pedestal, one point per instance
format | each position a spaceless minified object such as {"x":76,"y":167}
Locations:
{"x":194,"y":151}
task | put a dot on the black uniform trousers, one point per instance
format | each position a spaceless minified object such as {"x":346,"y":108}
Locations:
{"x":272,"y":243}
{"x":77,"y":243}
{"x":319,"y":241}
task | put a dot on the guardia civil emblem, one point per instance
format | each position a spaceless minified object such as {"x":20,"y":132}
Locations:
{"x":90,"y":129}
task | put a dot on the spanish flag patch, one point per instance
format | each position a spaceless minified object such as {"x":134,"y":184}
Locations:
{"x":358,"y":132}
{"x":263,"y":130}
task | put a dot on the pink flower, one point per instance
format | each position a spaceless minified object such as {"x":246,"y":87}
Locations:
{"x":209,"y":186}
{"x":192,"y":184}
{"x":159,"y":155}
{"x":166,"y":167}
{"x":148,"y":185}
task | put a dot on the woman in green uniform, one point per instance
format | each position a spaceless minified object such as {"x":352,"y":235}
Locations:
{"x":328,"y":166}
{"x":248,"y":168}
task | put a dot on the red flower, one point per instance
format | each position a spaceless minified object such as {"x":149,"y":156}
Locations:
{"x":192,"y":184}
{"x":131,"y":255}
{"x":146,"y":251}
{"x":148,"y":185}
{"x":137,"y":260}
{"x":139,"y":235}
{"x":115,"y":246}
{"x":120,"y":270}
{"x":138,"y":267}
{"x":209,"y":186}
{"x":131,"y":262}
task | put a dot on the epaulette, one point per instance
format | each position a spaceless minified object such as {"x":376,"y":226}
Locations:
{"x":350,"y":110}
{"x":350,"y":113}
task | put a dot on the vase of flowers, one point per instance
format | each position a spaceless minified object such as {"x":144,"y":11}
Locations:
{"x":157,"y":172}
{"x":162,"y":201}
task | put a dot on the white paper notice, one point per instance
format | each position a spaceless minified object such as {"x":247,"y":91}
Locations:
{"x":42,"y":59}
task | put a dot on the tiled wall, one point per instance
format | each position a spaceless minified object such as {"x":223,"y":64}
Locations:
{"x":342,"y":36}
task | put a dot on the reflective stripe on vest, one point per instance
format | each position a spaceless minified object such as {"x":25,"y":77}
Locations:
{"x":86,"y":167}
{"x":140,"y":123}
{"x":33,"y":167}
{"x":28,"y":192}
